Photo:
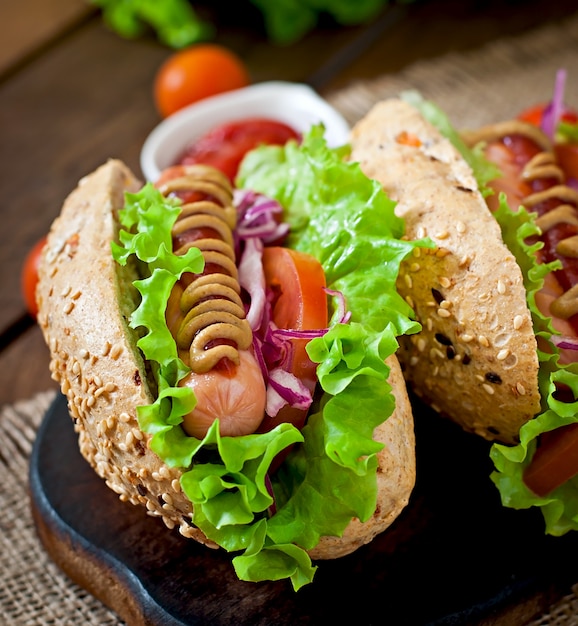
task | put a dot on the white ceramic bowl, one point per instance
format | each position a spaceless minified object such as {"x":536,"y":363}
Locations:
{"x":293,"y":103}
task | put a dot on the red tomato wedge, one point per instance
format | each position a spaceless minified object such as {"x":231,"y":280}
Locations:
{"x":29,"y":277}
{"x":300,"y":303}
{"x":555,"y":460}
{"x":534,"y":115}
{"x":225,"y":146}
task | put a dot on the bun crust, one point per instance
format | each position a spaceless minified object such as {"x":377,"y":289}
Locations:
{"x":476,"y":358}
{"x":84,"y":298}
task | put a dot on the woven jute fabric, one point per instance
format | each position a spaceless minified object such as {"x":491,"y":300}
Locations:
{"x":33,"y":591}
{"x":488,"y":84}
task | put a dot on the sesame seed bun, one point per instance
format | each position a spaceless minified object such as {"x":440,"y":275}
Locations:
{"x":476,"y":358}
{"x":85,"y":299}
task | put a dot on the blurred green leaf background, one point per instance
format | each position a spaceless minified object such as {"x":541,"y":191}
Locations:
{"x":179,"y":23}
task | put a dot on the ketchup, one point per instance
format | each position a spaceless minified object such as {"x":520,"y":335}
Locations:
{"x":225,"y":146}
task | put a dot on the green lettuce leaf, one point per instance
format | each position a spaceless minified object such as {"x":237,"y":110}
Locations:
{"x":329,"y":477}
{"x":560,"y":508}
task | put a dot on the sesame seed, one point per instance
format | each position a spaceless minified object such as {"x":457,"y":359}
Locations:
{"x":466,"y":338}
{"x":109,"y":387}
{"x":429,"y":323}
{"x":488,"y":388}
{"x":421,"y":233}
{"x":416,"y":252}
{"x":415,"y":267}
{"x":410,"y":301}
{"x":64,"y":293}
{"x":444,"y":313}
{"x":90,"y":402}
{"x":150,"y":506}
{"x":460,"y":227}
{"x":483,"y":341}
{"x":115,"y":351}
{"x":176,"y":485}
{"x":503,"y":354}
{"x":408,"y":281}
{"x":435,"y":371}
{"x":129,"y":439}
{"x":68,"y":307}
{"x":518,"y":321}
{"x":465,"y":260}
{"x":443,"y":234}
{"x":65,"y":387}
{"x":76,"y":294}
{"x":442,"y":252}
{"x":76,"y":368}
{"x":444,"y":281}
{"x":164,"y":472}
{"x":436,"y":353}
{"x":501,"y":287}
{"x":414,"y":361}
{"x":84,"y":354}
{"x":97,"y":381}
{"x":107,"y":347}
{"x":124,"y":417}
{"x":445,"y":304}
{"x":421,"y":344}
{"x":520,"y":389}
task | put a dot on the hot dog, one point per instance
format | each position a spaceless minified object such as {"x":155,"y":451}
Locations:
{"x":491,"y":359}
{"x":128,"y":380}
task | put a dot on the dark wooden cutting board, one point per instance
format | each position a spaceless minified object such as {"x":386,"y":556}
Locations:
{"x":454,"y":556}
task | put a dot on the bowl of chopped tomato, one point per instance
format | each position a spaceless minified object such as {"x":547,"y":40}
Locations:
{"x":219,"y":130}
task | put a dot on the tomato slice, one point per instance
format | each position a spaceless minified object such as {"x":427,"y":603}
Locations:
{"x":535,"y":113}
{"x":300,"y":303}
{"x":225,"y":146}
{"x":555,"y":460}
{"x":29,"y":277}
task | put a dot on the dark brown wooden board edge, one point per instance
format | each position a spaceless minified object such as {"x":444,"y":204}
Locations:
{"x":89,"y":567}
{"x":525,"y":587}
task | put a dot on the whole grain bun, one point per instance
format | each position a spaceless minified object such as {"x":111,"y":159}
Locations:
{"x":84,"y":300}
{"x":476,"y":358}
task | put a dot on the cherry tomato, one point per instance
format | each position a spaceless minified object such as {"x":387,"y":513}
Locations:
{"x":300,"y":303}
{"x":225,"y":146}
{"x":555,"y":460}
{"x":195,"y":73}
{"x":29,"y":277}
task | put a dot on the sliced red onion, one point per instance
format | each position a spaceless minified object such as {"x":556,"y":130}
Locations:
{"x":343,"y":315}
{"x":252,"y":279}
{"x":256,"y":216}
{"x":553,"y":112}
{"x":565,"y":342}
{"x":285,"y":388}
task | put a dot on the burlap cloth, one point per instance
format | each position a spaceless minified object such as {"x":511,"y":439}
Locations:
{"x":491,"y":83}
